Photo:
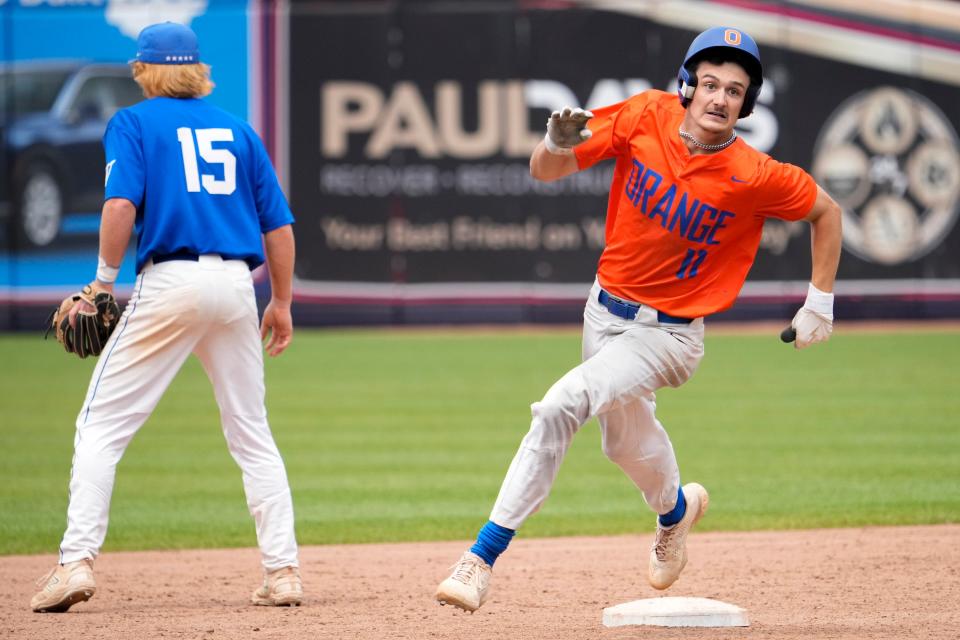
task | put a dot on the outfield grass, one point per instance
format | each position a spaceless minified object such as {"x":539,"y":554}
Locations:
{"x":393,"y":436}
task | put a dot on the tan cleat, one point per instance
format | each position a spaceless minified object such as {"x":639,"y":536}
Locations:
{"x":668,"y":556}
{"x":65,"y":586}
{"x":468,"y":585}
{"x":280,"y":588}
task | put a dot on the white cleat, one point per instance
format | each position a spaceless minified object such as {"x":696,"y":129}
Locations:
{"x":280,"y":588}
{"x":668,"y":556}
{"x":64,"y":586}
{"x":468,"y":585}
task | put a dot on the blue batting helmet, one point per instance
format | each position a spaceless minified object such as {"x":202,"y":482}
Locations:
{"x":728,"y":44}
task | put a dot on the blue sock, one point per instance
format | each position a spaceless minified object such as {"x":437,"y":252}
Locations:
{"x":492,"y":541}
{"x":676,"y":515}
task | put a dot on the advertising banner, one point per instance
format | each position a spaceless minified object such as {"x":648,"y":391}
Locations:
{"x":411,"y":130}
{"x":402,"y":133}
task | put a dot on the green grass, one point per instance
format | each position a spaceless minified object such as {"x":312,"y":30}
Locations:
{"x":406,"y":436}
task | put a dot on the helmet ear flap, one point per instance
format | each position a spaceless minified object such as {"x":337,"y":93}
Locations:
{"x":749,"y":100}
{"x":686,"y":86}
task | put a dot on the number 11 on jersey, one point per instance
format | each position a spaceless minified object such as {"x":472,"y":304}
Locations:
{"x":211,"y":155}
{"x":691,"y":263}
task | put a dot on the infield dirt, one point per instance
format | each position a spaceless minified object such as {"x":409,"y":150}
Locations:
{"x":857,"y":584}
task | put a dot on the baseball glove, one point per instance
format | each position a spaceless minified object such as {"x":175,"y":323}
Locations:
{"x":92,"y":328}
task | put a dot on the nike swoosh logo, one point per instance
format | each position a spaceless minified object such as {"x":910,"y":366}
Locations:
{"x":736,"y":179}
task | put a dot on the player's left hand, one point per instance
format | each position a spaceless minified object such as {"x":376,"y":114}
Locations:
{"x":814,"y":321}
{"x":85,"y":320}
{"x":85,"y":304}
{"x":277,"y":323}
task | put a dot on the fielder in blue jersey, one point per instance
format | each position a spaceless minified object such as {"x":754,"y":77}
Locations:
{"x":197,"y":185}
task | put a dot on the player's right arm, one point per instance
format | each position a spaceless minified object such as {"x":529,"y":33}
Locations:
{"x":276,"y":225}
{"x":571,"y":146}
{"x":277,"y":320}
{"x":548,"y":166}
{"x":553,"y":157}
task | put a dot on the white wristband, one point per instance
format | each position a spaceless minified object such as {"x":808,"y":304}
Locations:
{"x":554,"y":149}
{"x":819,"y":301}
{"x":105,"y":273}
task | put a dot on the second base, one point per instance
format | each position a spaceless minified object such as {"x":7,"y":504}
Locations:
{"x":676,"y":612}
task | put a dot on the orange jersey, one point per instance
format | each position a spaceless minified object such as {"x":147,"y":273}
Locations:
{"x":683,"y":230}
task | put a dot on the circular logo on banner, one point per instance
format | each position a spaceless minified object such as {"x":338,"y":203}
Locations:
{"x":891,"y":160}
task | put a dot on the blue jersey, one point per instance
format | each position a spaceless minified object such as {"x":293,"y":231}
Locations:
{"x":200,"y":179}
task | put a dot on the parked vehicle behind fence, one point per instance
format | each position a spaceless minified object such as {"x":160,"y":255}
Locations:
{"x":52,"y":118}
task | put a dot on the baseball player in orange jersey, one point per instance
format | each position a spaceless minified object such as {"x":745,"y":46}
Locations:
{"x":686,"y":210}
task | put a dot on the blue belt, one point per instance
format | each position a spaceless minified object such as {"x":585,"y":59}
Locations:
{"x":628,"y":310}
{"x":179,"y":255}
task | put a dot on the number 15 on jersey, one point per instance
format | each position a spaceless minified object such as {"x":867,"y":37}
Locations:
{"x":211,"y":155}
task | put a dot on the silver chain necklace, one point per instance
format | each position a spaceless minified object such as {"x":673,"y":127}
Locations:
{"x":708,"y":147}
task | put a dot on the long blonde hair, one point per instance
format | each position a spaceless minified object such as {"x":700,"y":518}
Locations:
{"x":173,"y":80}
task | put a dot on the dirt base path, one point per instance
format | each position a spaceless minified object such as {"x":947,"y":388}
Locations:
{"x":877,"y":583}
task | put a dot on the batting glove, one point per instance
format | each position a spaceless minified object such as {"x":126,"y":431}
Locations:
{"x":814,"y":321}
{"x":566,"y":129}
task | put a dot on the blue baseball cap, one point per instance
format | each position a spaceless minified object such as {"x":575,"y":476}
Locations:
{"x":168,"y":43}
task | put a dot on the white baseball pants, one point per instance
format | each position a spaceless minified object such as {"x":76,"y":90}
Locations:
{"x":624,"y":363}
{"x":181,"y":307}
